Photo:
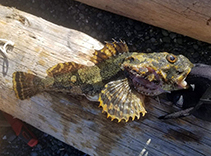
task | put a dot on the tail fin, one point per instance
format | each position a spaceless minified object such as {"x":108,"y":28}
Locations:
{"x":26,"y":85}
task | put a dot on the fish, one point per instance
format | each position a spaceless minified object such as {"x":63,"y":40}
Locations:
{"x":119,"y":79}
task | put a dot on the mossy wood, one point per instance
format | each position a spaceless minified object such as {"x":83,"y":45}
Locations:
{"x":39,"y":45}
{"x":190,"y":17}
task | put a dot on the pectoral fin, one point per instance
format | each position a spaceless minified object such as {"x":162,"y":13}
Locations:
{"x":120,"y":101}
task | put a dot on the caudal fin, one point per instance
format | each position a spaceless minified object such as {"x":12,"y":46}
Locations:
{"x":25,"y":85}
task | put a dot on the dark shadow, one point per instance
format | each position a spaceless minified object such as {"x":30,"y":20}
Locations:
{"x":183,"y":135}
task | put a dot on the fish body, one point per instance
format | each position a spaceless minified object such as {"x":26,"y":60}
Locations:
{"x":87,"y":80}
{"x":119,"y":79}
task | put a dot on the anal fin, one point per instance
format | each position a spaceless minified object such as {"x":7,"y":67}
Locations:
{"x":120,"y":101}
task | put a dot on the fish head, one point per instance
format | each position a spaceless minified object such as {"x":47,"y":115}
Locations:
{"x":155,"y":73}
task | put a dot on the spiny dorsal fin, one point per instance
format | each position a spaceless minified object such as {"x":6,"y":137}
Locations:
{"x":62,"y":68}
{"x":109,"y":50}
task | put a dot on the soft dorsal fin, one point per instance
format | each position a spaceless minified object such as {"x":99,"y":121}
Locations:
{"x":64,"y":68}
{"x":109,"y":50}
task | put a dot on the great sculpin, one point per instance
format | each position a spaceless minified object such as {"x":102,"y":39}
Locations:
{"x":119,"y":79}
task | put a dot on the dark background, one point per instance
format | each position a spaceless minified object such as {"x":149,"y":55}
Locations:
{"x":103,"y":26}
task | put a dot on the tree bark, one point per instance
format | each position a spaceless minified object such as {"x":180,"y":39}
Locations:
{"x":190,"y":17}
{"x":38,"y":45}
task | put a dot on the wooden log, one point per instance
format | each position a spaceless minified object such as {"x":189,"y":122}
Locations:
{"x":191,"y":17}
{"x":38,"y":45}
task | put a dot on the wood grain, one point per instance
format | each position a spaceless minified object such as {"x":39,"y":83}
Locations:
{"x":190,"y":17}
{"x":39,"y":45}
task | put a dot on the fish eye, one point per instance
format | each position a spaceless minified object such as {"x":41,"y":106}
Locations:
{"x":131,"y":59}
{"x":171,"y":58}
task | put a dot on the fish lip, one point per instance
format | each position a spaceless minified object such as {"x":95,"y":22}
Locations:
{"x":180,"y":80}
{"x":182,"y":84}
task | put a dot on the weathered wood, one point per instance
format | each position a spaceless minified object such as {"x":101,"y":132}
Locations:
{"x":190,"y":17}
{"x":38,"y":45}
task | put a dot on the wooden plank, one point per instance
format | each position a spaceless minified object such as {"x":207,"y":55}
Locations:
{"x":38,"y":45}
{"x":190,"y":17}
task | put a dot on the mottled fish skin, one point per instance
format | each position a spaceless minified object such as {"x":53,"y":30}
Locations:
{"x":159,"y":75}
{"x":88,"y":80}
{"x":119,"y":80}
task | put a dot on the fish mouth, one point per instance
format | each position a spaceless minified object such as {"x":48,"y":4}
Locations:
{"x":180,"y":80}
{"x":145,"y":80}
